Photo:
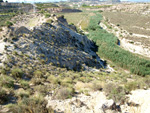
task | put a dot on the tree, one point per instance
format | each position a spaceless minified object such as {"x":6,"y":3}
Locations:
{"x":1,"y":0}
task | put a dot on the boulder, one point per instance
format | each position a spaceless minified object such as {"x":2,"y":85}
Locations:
{"x":109,"y":104}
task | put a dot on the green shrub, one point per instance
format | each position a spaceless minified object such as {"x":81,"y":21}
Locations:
{"x":3,"y":96}
{"x":8,"y":23}
{"x":41,"y":89}
{"x":24,"y":83}
{"x":53,"y":79}
{"x":117,"y":94}
{"x":64,"y":93}
{"x":38,"y":73}
{"x":100,"y":11}
{"x":18,"y":73}
{"x":3,"y":71}
{"x":29,"y":105}
{"x":23,"y":94}
{"x":131,"y":86}
{"x":50,"y":21}
{"x":6,"y":81}
{"x":1,"y":29}
{"x":47,"y":15}
{"x":97,"y":85}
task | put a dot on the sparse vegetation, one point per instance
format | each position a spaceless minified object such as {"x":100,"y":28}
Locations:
{"x":8,"y":23}
{"x":64,"y":93}
{"x":30,"y":105}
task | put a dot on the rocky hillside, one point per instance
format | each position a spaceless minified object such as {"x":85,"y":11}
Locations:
{"x":55,"y":42}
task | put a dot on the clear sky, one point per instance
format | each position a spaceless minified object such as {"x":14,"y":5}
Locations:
{"x":63,"y":0}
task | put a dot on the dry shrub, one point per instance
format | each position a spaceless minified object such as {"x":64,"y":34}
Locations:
{"x":64,"y":93}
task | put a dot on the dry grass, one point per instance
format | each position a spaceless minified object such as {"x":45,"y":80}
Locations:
{"x":133,"y":23}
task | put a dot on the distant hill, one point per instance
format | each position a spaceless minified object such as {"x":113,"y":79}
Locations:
{"x":81,"y":0}
{"x":112,"y":1}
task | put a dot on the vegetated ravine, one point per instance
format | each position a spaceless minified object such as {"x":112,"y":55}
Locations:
{"x":109,"y":49}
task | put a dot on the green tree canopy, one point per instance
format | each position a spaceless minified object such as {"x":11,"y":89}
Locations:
{"x":1,"y":0}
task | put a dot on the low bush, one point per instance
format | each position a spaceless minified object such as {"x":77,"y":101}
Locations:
{"x":24,"y":84}
{"x":53,"y":79}
{"x":97,"y":85}
{"x":131,"y":86}
{"x":29,"y":105}
{"x":3,"y":96}
{"x":38,"y":73}
{"x":6,"y":81}
{"x":47,"y":15}
{"x":17,"y":73}
{"x":8,"y":23}
{"x":50,"y":21}
{"x":64,"y":93}
{"x":22,"y":94}
{"x":118,"y":94}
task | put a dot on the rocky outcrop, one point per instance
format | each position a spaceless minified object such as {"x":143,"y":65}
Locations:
{"x":95,"y":103}
{"x":55,"y":43}
{"x":138,"y":102}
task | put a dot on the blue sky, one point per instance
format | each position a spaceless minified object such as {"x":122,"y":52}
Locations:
{"x":63,"y":0}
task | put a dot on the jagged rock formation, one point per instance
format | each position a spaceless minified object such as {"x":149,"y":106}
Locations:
{"x":56,"y":43}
